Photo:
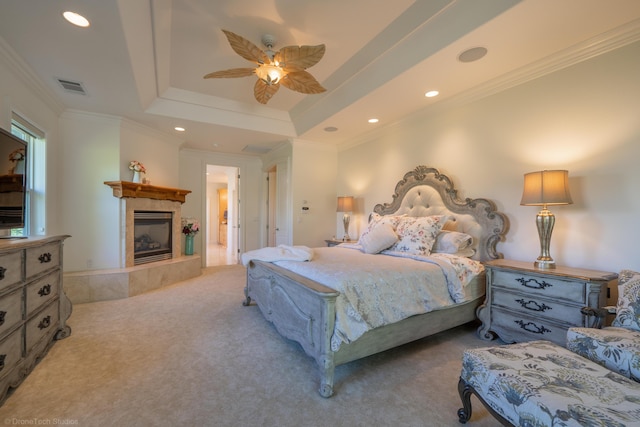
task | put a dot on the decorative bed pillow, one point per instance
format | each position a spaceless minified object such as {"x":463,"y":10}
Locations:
{"x":628,"y":309}
{"x":452,"y":242}
{"x":378,"y":239}
{"x":418,"y":234}
{"x":376,"y":219}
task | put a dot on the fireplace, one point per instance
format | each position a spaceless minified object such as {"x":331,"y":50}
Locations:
{"x":152,"y":236}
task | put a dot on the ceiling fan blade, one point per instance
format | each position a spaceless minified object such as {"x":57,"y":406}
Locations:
{"x":298,"y":58}
{"x":234,"y":72}
{"x":264,"y":92}
{"x":246,"y":49}
{"x":302,"y":81}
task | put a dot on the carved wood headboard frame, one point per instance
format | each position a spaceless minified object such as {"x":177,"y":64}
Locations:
{"x":425,"y":191}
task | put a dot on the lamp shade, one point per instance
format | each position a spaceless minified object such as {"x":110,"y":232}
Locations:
{"x":345,"y":204}
{"x":546,"y":188}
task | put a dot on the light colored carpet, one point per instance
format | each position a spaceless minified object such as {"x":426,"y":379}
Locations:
{"x":192,"y":355}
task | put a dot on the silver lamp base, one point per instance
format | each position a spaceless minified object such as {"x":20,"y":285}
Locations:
{"x":345,"y":221}
{"x":545,"y":220}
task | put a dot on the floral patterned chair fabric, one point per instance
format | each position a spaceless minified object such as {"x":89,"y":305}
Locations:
{"x":616,"y":347}
{"x":539,"y":383}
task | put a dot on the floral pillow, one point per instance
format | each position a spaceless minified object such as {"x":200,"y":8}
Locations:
{"x":418,"y":234}
{"x":628,"y":309}
{"x":378,"y":239}
{"x":376,"y":219}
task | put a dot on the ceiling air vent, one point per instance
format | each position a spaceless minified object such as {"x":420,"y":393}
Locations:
{"x":72,"y":87}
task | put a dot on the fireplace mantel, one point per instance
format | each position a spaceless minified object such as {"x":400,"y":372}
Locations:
{"x":137,"y":190}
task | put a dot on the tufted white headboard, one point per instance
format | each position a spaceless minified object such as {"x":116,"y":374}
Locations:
{"x":425,"y":191}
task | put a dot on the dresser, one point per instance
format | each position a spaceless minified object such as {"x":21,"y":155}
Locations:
{"x":33,"y":306}
{"x":526,"y":303}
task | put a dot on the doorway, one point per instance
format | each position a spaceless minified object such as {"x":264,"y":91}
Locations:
{"x":222,"y":215}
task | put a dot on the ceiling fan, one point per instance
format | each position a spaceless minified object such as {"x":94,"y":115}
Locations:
{"x":285,"y":67}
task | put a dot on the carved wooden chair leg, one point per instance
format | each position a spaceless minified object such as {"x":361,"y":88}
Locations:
{"x":465,"y":391}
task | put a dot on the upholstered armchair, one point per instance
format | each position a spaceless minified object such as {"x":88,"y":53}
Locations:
{"x":616,"y":347}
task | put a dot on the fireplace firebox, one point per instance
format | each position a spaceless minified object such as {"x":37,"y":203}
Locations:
{"x":152,"y":236}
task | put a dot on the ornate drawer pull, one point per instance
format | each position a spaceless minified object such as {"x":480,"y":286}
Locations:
{"x":532,"y":327}
{"x":533,"y":306}
{"x":44,"y":258}
{"x":2,"y":270}
{"x":538,"y":285}
{"x":44,"y":323}
{"x":2,"y":315}
{"x":45,"y":290}
{"x":2,"y":357}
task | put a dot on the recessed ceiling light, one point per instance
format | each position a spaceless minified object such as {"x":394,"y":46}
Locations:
{"x":473,"y":54}
{"x":432,"y":93}
{"x":179,"y":129}
{"x":76,"y":19}
{"x":373,"y":120}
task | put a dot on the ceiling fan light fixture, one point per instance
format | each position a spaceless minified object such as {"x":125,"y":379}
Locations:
{"x":270,"y":74}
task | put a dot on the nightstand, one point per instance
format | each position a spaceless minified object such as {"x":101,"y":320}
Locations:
{"x":333,"y":242}
{"x":526,"y":303}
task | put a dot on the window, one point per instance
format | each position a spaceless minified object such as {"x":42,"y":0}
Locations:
{"x":35,"y":170}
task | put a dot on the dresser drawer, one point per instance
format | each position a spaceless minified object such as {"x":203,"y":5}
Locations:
{"x":10,"y":352}
{"x":42,"y":291}
{"x":42,"y":258}
{"x":535,"y":306}
{"x":536,"y":285}
{"x":525,"y":328}
{"x":42,"y":325}
{"x":10,"y":311}
{"x":10,"y":269}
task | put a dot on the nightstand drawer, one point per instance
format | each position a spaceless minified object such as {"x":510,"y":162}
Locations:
{"x":538,"y":307}
{"x":526,"y":328}
{"x":537,"y":285}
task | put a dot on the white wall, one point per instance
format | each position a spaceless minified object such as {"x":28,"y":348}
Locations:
{"x":583,"y":118}
{"x":98,"y":148}
{"x":313,"y":182}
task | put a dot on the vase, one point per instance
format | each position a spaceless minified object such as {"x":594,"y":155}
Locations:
{"x":137,"y":177}
{"x":188,"y":245}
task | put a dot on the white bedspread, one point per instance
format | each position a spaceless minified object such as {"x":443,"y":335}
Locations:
{"x":376,"y":290}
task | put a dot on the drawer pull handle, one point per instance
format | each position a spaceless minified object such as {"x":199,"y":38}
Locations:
{"x":45,"y":290}
{"x":532,"y":327}
{"x":2,"y":316}
{"x":537,"y":285}
{"x":2,"y":357}
{"x":2,"y":270}
{"x":44,"y":258}
{"x":44,"y":323}
{"x":533,"y":306}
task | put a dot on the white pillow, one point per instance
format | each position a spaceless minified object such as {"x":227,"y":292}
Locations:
{"x":378,"y":238}
{"x":451,"y":242}
{"x":418,"y":234}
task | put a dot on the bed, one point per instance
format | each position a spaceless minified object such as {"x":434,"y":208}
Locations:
{"x":307,"y":311}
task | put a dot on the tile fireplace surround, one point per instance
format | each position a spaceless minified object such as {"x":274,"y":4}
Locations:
{"x":99,"y":285}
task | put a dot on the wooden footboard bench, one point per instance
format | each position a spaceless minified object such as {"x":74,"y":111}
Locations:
{"x":540,"y":383}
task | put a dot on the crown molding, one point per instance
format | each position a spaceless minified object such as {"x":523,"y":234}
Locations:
{"x":23,"y":72}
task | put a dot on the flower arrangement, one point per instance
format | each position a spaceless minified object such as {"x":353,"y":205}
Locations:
{"x":136,"y":166}
{"x":190,"y":226}
{"x":17,"y":155}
